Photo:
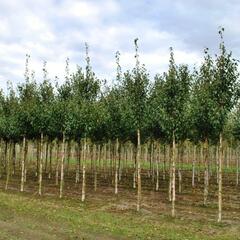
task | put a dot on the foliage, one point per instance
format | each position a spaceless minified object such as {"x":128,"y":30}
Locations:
{"x":194,"y":105}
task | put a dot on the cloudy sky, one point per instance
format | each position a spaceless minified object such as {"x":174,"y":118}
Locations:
{"x":53,"y":30}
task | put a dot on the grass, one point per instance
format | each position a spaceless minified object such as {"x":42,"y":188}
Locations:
{"x":146,"y":165}
{"x":25,"y":216}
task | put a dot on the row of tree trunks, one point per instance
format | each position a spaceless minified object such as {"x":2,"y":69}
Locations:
{"x":125,"y":158}
{"x":117,"y":156}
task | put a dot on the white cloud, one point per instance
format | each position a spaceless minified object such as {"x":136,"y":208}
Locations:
{"x":54,"y":30}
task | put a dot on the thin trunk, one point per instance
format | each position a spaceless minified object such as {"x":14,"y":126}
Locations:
{"x":14,"y":157}
{"x":5,"y":157}
{"x":95,"y":167}
{"x":217,"y":162}
{"x":181,"y":156}
{"x":220,"y":179}
{"x":8,"y":165}
{"x":84,"y":171}
{"x":200,"y":160}
{"x":116,"y":166}
{"x":69,"y":149}
{"x":146,"y":159}
{"x":158,"y":161}
{"x":105,"y":160}
{"x":193,"y":166}
{"x":26,"y":161}
{"x":139,"y":186}
{"x":62,"y":167}
{"x":46,"y":157}
{"x":50,"y":161}
{"x":205,"y":171}
{"x":151,"y":161}
{"x":110,"y":158}
{"x":99,"y":156}
{"x":78,"y":150}
{"x":23,"y":164}
{"x":119,"y":157}
{"x":135,"y":167}
{"x":40,"y":166}
{"x":38,"y":156}
{"x":237,"y":174}
{"x":173,"y":175}
{"x":57,"y":163}
{"x":170,"y":177}
{"x":0,"y":157}
{"x":164,"y":162}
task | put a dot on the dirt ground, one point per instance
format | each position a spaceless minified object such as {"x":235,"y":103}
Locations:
{"x":107,"y":216}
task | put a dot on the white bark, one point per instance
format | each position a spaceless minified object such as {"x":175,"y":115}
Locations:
{"x":40,"y":167}
{"x":139,"y":186}
{"x":62,"y":168}
{"x":193,"y":166}
{"x":220,"y":180}
{"x":23,"y":164}
{"x":84,"y":171}
{"x":173,"y":176}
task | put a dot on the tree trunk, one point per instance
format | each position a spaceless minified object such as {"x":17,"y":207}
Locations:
{"x":5,"y":157}
{"x":173,"y":174}
{"x":38,"y":154}
{"x":99,"y":156}
{"x":78,"y":151}
{"x":8,"y":165}
{"x":217,"y":162}
{"x":139,"y":186}
{"x":135,"y":167}
{"x":26,"y":161}
{"x":50,"y":161}
{"x":181,"y":156}
{"x":119,"y":157}
{"x":69,"y":149}
{"x":84,"y":171}
{"x":164,"y":162}
{"x":14,"y":158}
{"x":40,"y":166}
{"x":95,"y":167}
{"x":62,"y":167}
{"x":151,"y":161}
{"x":170,"y":176}
{"x":200,"y":160}
{"x":23,"y":164}
{"x":46,"y":157}
{"x":220,"y":179}
{"x":116,"y":166}
{"x":205,"y":171}
{"x":1,"y":157}
{"x":237,"y":170}
{"x":57,"y":163}
{"x":105,"y":160}
{"x":157,"y":167}
{"x":193,"y":166}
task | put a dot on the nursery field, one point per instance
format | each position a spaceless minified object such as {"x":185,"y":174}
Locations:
{"x":141,"y":158}
{"x":105,"y":215}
